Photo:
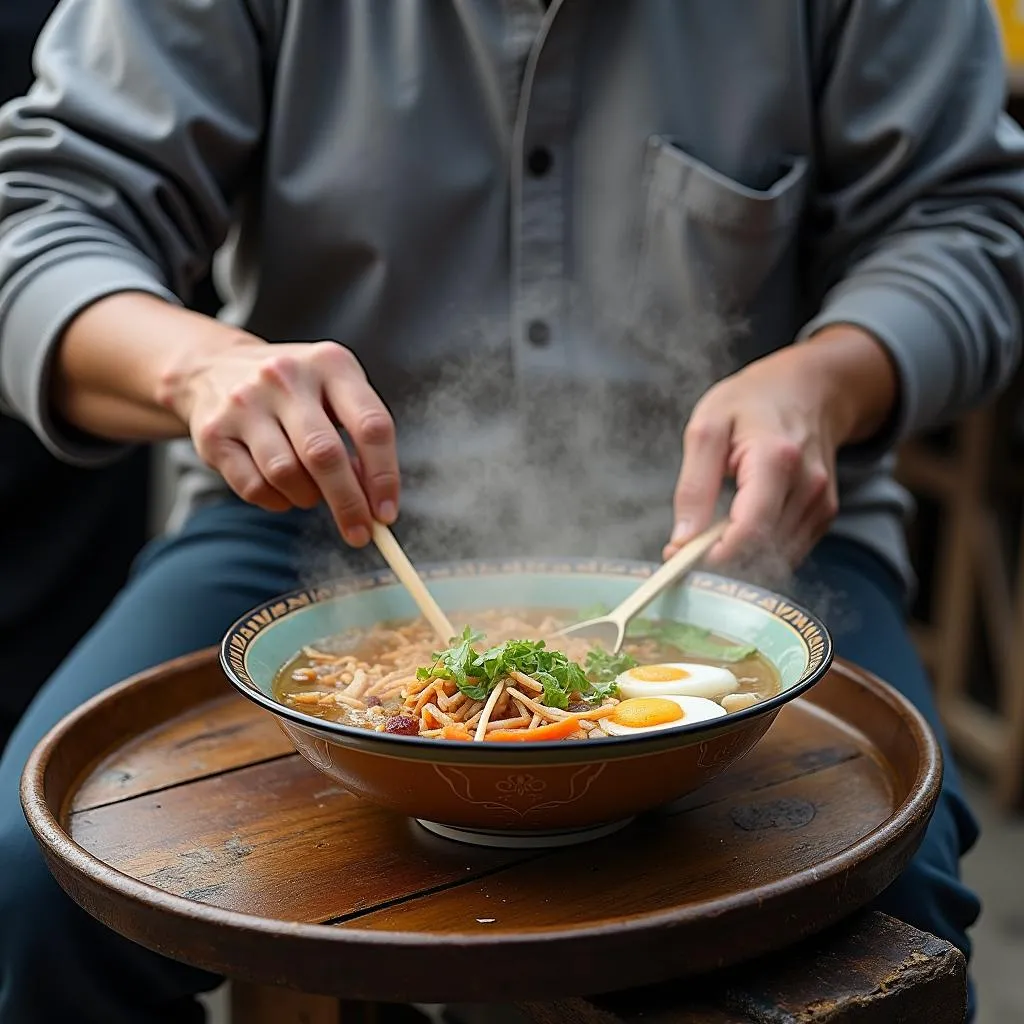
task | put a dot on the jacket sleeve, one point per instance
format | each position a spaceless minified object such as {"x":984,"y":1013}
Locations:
{"x":117,"y":173}
{"x":919,"y":209}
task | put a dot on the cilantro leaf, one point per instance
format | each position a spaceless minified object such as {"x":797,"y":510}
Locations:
{"x":602,"y":689}
{"x":475,"y":690}
{"x":603,"y":667}
{"x":692,"y":640}
{"x":455,"y":663}
{"x":554,"y":695}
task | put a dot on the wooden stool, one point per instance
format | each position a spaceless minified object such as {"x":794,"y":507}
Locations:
{"x":871,"y":968}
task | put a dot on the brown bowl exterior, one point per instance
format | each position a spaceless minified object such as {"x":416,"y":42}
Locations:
{"x":539,"y":796}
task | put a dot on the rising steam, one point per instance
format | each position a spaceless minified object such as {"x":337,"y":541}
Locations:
{"x":579,"y":461}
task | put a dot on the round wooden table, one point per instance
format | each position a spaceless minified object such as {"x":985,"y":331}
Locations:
{"x":178,"y":814}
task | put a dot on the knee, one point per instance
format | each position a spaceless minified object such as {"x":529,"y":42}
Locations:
{"x":929,"y":894}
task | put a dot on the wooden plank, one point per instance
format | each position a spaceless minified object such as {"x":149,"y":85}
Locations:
{"x":927,"y":473}
{"x":873,"y":970}
{"x":996,"y":594}
{"x":215,"y":737}
{"x":276,"y":839}
{"x":979,"y":733}
{"x":880,"y":970}
{"x":928,"y":643}
{"x":956,"y":572}
{"x":586,"y":1011}
{"x":750,"y":840}
{"x":262,"y":1004}
{"x":1010,"y":773}
{"x":259,"y":1004}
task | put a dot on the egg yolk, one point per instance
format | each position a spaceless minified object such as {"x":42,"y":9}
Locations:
{"x":643,"y":712}
{"x":657,"y":673}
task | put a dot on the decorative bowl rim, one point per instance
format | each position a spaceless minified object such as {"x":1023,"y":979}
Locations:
{"x":246,"y":628}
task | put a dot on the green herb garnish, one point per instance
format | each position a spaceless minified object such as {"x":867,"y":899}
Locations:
{"x":686,"y":638}
{"x":555,"y":696}
{"x":477,"y":673}
{"x":603,"y":667}
{"x":691,"y":640}
{"x":456,"y":662}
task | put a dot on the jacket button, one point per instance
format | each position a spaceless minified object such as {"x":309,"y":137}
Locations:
{"x":539,"y":161}
{"x":539,"y":333}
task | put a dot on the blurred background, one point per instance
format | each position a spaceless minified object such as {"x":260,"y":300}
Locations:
{"x":968,"y":546}
{"x":967,"y":542}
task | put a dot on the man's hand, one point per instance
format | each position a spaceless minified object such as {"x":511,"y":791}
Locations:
{"x":266,"y":417}
{"x":775,"y":428}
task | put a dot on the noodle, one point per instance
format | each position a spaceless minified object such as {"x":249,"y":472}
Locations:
{"x":359,"y":683}
{"x":488,"y":710}
{"x":432,"y":711}
{"x":556,"y":715}
{"x":390,"y":678}
{"x":425,"y":697}
{"x":524,"y":680}
{"x":509,"y":723}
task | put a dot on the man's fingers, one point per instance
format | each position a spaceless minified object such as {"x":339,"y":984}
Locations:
{"x":272,"y":429}
{"x":819,"y":517}
{"x":764,"y":480}
{"x":323,"y":454}
{"x":809,"y":510}
{"x":359,"y":409}
{"x":276,"y":460}
{"x":705,"y":453}
{"x":801,"y":541}
{"x":233,"y":461}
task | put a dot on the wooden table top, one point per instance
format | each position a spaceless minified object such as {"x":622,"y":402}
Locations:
{"x":178,"y":814}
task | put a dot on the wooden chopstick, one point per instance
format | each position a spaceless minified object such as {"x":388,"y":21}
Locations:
{"x":412,"y":581}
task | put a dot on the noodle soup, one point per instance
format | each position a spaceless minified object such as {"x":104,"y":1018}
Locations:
{"x":510,"y":678}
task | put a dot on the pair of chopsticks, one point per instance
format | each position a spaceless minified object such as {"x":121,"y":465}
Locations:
{"x":668,"y":574}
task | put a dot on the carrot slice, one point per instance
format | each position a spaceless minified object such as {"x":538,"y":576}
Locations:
{"x":555,"y":731}
{"x":455,"y":732}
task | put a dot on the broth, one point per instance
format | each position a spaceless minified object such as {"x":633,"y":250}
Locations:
{"x":389,"y":678}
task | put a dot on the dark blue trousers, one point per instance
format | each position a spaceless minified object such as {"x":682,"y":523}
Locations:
{"x":56,"y":963}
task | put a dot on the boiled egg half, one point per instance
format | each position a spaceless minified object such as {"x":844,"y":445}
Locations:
{"x":645,"y":714}
{"x":676,"y":679}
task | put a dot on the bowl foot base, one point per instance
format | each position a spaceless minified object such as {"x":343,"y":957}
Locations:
{"x":524,"y":839}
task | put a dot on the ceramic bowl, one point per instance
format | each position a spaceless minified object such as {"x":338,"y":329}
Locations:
{"x":525,"y":794}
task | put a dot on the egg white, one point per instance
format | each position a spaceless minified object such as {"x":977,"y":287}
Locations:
{"x":695,"y":709}
{"x":706,"y":681}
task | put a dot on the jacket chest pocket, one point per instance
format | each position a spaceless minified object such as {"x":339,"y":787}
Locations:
{"x":710,"y":246}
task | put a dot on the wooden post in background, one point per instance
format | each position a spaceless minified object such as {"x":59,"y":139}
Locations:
{"x":977,"y":486}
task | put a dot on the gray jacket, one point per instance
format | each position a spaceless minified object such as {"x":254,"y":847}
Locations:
{"x":543,"y":233}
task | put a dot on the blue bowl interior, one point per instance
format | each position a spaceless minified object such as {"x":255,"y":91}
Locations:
{"x":792,"y":639}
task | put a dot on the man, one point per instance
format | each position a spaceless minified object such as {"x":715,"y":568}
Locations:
{"x":540,"y":241}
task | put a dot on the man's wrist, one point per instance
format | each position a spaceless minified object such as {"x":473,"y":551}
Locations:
{"x":185,"y":361}
{"x":858,"y":380}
